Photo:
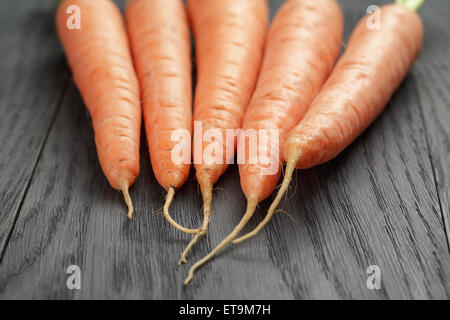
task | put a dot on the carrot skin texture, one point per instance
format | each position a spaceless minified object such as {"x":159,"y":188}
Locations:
{"x":100,"y":60}
{"x":365,"y":78}
{"x":302,"y":47}
{"x":372,"y":68}
{"x":229,"y":36}
{"x":160,"y":41}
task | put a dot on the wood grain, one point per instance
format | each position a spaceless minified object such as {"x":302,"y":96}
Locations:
{"x":33,"y":77}
{"x":379,"y":203}
{"x":433,"y":93}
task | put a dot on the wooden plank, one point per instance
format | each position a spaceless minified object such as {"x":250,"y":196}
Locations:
{"x":433,"y":92}
{"x":31,"y":84}
{"x":376,"y":204}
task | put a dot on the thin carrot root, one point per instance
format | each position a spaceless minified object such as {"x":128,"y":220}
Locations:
{"x":203,"y":230}
{"x":286,"y":213}
{"x":190,"y":245}
{"x":251,"y":207}
{"x":290,"y":167}
{"x":169,"y":200}
{"x":126,"y":195}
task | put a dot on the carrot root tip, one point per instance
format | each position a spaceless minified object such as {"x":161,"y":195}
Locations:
{"x":182,"y":260}
{"x":188,"y":279}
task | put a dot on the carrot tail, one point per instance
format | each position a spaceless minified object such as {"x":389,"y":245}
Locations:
{"x":414,"y":5}
{"x":290,"y":167}
{"x":251,"y":207}
{"x":207,"y":198}
{"x":126,"y":195}
{"x":169,"y":199}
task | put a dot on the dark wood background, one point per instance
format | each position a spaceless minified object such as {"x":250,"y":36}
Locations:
{"x":381,"y":202}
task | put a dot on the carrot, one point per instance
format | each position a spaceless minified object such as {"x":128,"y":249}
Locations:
{"x":160,"y":41}
{"x":372,"y":68}
{"x":302,"y":47}
{"x":99,"y":57}
{"x":229,"y":36}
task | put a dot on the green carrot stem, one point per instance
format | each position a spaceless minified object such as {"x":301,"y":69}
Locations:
{"x":414,"y":5}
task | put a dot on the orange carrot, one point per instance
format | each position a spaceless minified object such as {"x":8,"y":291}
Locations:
{"x":302,"y":47}
{"x":372,"y":68}
{"x":99,"y":57}
{"x":160,"y":41}
{"x":229,"y":37}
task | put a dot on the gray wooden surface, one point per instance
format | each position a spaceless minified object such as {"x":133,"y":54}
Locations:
{"x":381,"y":202}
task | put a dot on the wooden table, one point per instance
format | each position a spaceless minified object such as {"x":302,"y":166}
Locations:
{"x":381,"y":202}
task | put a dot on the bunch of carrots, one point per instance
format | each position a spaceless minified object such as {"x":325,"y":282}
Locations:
{"x":288,"y":77}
